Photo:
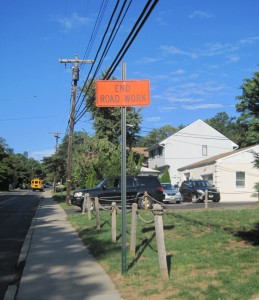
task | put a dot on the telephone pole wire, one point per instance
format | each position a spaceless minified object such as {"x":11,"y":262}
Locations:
{"x":75,"y":78}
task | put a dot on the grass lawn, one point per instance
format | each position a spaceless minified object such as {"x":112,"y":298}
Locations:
{"x":212,"y":254}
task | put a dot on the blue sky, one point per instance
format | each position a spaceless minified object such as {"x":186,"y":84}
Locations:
{"x":196,"y":55}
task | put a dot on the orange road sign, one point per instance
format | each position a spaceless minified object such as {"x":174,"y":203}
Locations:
{"x":113,"y":93}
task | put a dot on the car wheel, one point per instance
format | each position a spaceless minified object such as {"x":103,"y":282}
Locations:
{"x":141,"y":203}
{"x":194,"y":198}
{"x":216,"y":200}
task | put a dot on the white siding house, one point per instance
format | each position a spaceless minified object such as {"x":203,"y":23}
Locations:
{"x":191,"y":144}
{"x":233,"y":173}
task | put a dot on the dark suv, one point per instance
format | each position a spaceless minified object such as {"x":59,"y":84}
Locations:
{"x":194,"y":190}
{"x":109,"y":190}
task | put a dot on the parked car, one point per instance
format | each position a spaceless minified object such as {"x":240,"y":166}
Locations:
{"x":194,"y":190}
{"x":109,"y":190}
{"x":172,"y":194}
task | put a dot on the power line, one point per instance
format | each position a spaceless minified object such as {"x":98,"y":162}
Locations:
{"x":129,"y":40}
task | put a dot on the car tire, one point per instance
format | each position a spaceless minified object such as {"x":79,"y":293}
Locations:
{"x":216,"y":200}
{"x":141,"y":203}
{"x":194,"y":198}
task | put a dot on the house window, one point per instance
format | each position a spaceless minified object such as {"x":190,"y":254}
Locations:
{"x":240,"y":179}
{"x":204,"y":150}
{"x":208,"y":177}
{"x":152,"y":154}
{"x":160,"y":151}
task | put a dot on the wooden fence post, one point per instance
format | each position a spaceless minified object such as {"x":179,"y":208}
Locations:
{"x":158,"y":212}
{"x":114,"y":212}
{"x":84,"y":204}
{"x":88,"y":201}
{"x":206,"y":198}
{"x":145,"y":199}
{"x":133,"y":229}
{"x":96,"y":202}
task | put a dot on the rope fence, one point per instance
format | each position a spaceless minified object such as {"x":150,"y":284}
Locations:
{"x":156,"y":211}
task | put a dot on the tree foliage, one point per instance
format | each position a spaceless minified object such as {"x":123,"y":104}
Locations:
{"x":17,"y":169}
{"x":227,"y":126}
{"x":95,"y":159}
{"x":157,"y":135}
{"x":248,"y":106}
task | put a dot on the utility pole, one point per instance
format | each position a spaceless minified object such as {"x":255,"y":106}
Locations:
{"x":75,"y":78}
{"x":56,"y":135}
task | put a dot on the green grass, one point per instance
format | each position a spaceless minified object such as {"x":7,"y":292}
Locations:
{"x":212,"y":254}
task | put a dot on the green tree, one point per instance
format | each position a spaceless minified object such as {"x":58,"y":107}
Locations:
{"x":165,"y":178}
{"x":227,"y":126}
{"x":17,"y":169}
{"x":157,"y":135}
{"x":248,"y":106}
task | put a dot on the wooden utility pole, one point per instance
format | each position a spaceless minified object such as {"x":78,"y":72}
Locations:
{"x":56,"y":135}
{"x":75,"y":78}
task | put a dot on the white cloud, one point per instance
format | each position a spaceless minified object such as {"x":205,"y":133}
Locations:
{"x":202,"y":106}
{"x":148,"y":60}
{"x":152,"y":119}
{"x":74,"y":21}
{"x":249,"y":41}
{"x":167,"y":108}
{"x":200,"y":14}
{"x":234,"y":58}
{"x":178,"y":72}
{"x":212,"y":49}
{"x":176,"y":51}
{"x":38,"y":155}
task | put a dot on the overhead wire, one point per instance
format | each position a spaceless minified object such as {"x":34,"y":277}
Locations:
{"x":129,"y":40}
{"x":95,"y":59}
{"x":109,"y":42}
{"x":93,"y":36}
{"x":96,"y":28}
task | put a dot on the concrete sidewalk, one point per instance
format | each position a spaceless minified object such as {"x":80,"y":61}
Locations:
{"x":58,"y":265}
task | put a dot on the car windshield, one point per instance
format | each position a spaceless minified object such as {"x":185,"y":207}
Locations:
{"x":202,"y":184}
{"x":167,"y":186}
{"x":101,"y":183}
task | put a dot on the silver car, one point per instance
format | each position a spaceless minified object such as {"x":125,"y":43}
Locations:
{"x":172,"y":195}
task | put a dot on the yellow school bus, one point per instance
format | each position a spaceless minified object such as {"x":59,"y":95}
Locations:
{"x":36,"y":184}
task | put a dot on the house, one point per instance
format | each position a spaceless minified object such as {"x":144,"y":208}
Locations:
{"x":191,"y":144}
{"x":233,"y":173}
{"x":140,"y":151}
{"x":148,"y":172}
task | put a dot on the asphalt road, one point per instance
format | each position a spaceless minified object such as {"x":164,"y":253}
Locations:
{"x":17,"y":208}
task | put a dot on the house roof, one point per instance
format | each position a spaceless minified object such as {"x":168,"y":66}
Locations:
{"x":140,"y":150}
{"x":213,"y":159}
{"x":148,"y":170}
{"x":183,"y":132}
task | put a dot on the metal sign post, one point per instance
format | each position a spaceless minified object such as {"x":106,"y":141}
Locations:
{"x":123,"y":182}
{"x":123,"y":93}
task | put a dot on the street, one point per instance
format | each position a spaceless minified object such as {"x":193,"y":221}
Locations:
{"x":17,"y":208}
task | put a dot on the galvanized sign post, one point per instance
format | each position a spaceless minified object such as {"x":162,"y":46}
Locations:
{"x":123,"y":93}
